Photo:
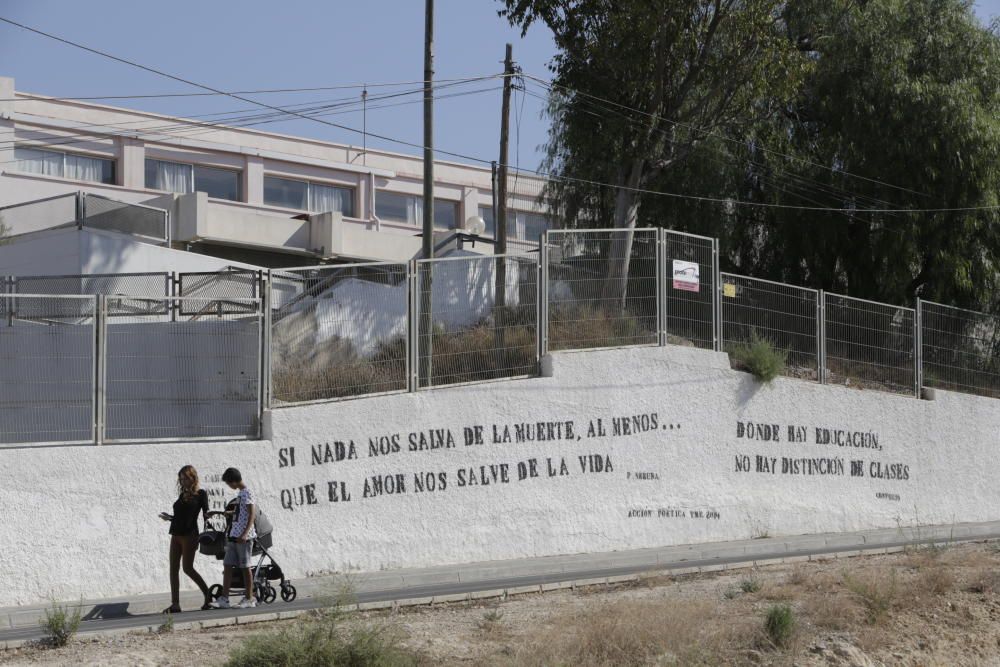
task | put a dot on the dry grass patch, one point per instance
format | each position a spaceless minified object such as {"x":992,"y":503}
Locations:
{"x":985,"y":581}
{"x":624,"y":633}
{"x":831,"y":611}
{"x":936,"y":580}
{"x":876,"y":590}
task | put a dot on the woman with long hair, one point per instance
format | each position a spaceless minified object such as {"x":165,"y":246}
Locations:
{"x":191,"y":501}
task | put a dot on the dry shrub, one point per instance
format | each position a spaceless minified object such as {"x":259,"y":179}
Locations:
{"x":473,"y":354}
{"x":986,"y":581}
{"x":936,"y":580}
{"x":798,"y":576}
{"x":583,"y":326}
{"x":876,"y":590}
{"x":634,"y":633}
{"x":831,"y":611}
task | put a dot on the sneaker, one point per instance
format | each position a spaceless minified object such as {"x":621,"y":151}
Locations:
{"x":247,"y":603}
{"x":221,"y":603}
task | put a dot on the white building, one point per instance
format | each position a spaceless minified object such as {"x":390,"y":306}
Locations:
{"x":234,"y":195}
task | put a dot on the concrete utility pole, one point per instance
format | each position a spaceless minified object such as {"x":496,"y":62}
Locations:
{"x":425,"y":323}
{"x":500,"y":212}
{"x":428,"y":226}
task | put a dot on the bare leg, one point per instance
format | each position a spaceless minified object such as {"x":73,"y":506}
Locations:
{"x":248,"y":583}
{"x":227,"y":580}
{"x":176,"y":550}
{"x":190,"y":546}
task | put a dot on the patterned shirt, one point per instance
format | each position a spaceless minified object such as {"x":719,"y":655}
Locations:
{"x":244,"y":499}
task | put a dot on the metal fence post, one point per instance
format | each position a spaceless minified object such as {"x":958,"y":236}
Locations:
{"x":716,"y":300}
{"x":918,"y":348}
{"x":543,"y":295}
{"x":100,"y":369}
{"x":412,"y":328}
{"x":661,"y":286}
{"x":265,"y":344}
{"x":821,"y":336}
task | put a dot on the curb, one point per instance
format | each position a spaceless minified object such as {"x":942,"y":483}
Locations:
{"x":654,"y":572}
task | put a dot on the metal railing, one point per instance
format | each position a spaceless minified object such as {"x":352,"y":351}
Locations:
{"x":476,"y":319}
{"x":33,"y":216}
{"x":233,"y":288}
{"x":149,"y":222}
{"x":960,"y":349}
{"x":88,"y":210}
{"x":602,"y":287}
{"x":784,"y":315}
{"x":338,"y":331}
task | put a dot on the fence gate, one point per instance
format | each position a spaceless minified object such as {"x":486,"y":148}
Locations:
{"x":47,"y":369}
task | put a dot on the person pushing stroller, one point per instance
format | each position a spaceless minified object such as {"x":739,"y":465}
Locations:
{"x":239,"y":543}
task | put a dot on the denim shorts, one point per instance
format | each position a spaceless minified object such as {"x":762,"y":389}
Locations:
{"x":238,"y":554}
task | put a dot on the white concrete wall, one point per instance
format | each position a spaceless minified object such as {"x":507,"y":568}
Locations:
{"x":72,"y":251}
{"x":691,"y":475}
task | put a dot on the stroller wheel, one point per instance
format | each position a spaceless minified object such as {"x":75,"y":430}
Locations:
{"x":270,"y":594}
{"x":215,"y":590}
{"x":288,"y":592}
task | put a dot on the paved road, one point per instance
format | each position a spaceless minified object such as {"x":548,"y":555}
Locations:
{"x":465,"y":579}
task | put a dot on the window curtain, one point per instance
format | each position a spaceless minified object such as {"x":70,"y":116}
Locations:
{"x":169,"y":176}
{"x":34,"y":161}
{"x":84,"y":168}
{"x":325,"y":198}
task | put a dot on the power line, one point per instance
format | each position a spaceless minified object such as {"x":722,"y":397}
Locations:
{"x":237,"y":115}
{"x":807,"y":184}
{"x":182,"y":130}
{"x":551,"y":85}
{"x":221,"y":92}
{"x":719,"y":200}
{"x":138,"y":96}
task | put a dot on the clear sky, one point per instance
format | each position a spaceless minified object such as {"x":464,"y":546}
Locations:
{"x":255,"y":44}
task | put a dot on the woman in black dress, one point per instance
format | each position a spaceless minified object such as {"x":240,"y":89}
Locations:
{"x":191,"y":501}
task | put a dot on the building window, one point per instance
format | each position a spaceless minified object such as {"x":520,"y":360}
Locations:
{"x":184,"y":178}
{"x":315,"y":197}
{"x":218,"y":183}
{"x":486,"y":213}
{"x":398,"y":208}
{"x":529,"y":226}
{"x":395,"y":207}
{"x":65,"y":165}
{"x":445,"y":214}
{"x":520,"y":224}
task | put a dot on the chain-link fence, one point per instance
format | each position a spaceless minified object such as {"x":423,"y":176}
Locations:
{"x":602,"y":288}
{"x":151,"y":286}
{"x":191,"y":377}
{"x":869,"y":345}
{"x":338,"y":331}
{"x":99,"y":212}
{"x":477,"y":319}
{"x":783,"y":315}
{"x":47,"y":366}
{"x":960,"y":349}
{"x":691,"y":265}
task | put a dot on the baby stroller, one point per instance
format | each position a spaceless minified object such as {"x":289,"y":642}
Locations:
{"x":212,"y":542}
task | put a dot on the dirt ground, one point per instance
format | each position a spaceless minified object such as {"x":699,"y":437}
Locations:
{"x":932,"y":607}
